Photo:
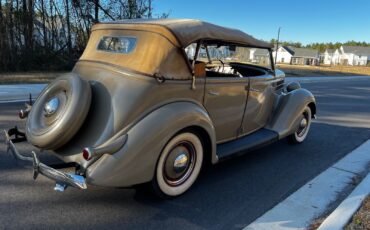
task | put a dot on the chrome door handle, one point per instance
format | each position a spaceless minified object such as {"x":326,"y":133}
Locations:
{"x":213,"y":93}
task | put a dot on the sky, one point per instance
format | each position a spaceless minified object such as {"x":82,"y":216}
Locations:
{"x":302,"y":21}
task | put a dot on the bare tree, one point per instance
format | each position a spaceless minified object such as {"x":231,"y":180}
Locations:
{"x":52,"y":34}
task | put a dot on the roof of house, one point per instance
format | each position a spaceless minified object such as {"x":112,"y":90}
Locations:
{"x":330,"y":51}
{"x":358,"y":50}
{"x":290,"y":49}
{"x":304,"y":52}
{"x":186,"y":31}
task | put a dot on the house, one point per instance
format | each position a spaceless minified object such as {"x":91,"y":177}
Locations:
{"x":261,"y":56}
{"x":284,"y":55}
{"x":336,"y":57}
{"x":304,"y":56}
{"x":296,"y":56}
{"x":327,"y":57}
{"x":354,"y":55}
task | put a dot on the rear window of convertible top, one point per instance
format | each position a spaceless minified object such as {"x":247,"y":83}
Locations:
{"x":117,"y":44}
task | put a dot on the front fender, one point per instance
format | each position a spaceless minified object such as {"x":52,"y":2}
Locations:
{"x":288,"y":110}
{"x":135,"y":163}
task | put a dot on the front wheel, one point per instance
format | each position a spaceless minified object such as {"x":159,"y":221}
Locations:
{"x":303,"y":127}
{"x":178,"y":166}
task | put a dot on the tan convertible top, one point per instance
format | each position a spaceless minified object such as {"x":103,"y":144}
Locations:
{"x":160,"y":44}
{"x":183,"y":32}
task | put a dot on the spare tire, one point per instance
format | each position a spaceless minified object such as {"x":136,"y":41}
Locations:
{"x":58,"y":112}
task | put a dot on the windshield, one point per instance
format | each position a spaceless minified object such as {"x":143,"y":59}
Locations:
{"x":252,"y":56}
{"x":231,"y":53}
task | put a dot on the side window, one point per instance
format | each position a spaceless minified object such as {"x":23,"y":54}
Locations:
{"x":190,"y":51}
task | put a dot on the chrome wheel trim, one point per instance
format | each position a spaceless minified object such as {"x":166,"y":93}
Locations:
{"x":304,"y":126}
{"x":179,"y":163}
{"x":179,"y":188}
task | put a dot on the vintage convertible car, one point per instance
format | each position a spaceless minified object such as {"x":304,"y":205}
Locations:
{"x":155,"y":100}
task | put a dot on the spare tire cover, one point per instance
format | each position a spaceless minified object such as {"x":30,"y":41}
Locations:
{"x":58,"y":112}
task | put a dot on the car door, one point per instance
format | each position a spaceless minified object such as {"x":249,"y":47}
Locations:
{"x":225,"y":99}
{"x":260,"y":103}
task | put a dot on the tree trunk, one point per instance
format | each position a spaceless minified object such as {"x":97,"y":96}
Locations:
{"x":69,"y":39}
{"x":97,"y":11}
{"x":30,"y":24}
{"x":45,"y":38}
{"x":132,"y":7}
{"x":150,"y":9}
{"x":11,"y":28}
{"x":52,"y":17}
{"x":3,"y":63}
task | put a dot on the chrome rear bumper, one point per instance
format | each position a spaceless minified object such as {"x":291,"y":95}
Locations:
{"x":63,"y":180}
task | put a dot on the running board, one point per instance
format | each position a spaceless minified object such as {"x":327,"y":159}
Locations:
{"x":247,"y":143}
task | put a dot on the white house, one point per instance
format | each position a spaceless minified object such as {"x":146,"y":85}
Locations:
{"x":297,"y":56}
{"x":336,"y":57}
{"x":284,"y":54}
{"x":327,"y":57}
{"x":354,"y":55}
{"x":260,"y":56}
{"x":304,"y":56}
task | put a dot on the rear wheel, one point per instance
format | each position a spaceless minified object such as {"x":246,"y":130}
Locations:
{"x":178,"y":166}
{"x":303,"y":127}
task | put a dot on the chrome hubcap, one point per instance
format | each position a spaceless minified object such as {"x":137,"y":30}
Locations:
{"x":51,"y":107}
{"x":179,"y":163}
{"x":303,"y":123}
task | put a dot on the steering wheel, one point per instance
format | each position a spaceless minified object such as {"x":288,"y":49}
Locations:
{"x":222,"y":62}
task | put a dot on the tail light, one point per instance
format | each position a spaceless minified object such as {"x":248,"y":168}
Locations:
{"x":87,"y":154}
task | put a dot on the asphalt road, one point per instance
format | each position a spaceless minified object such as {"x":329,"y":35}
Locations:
{"x":229,"y":195}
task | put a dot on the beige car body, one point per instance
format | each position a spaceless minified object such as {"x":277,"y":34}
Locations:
{"x":141,"y":100}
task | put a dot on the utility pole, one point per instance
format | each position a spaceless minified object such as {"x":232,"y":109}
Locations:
{"x":277,"y":44}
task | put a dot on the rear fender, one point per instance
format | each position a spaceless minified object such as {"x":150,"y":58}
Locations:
{"x":289,"y":108}
{"x":135,"y":163}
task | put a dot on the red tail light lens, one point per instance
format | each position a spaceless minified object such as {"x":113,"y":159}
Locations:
{"x":86,"y":154}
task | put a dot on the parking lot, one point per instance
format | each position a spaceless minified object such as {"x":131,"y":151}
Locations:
{"x":229,"y":195}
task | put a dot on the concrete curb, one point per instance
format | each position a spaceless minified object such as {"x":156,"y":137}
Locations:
{"x":341,"y":216}
{"x":312,"y":200}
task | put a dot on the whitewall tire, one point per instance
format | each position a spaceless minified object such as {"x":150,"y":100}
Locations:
{"x":303,"y":127}
{"x":179,"y":165}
